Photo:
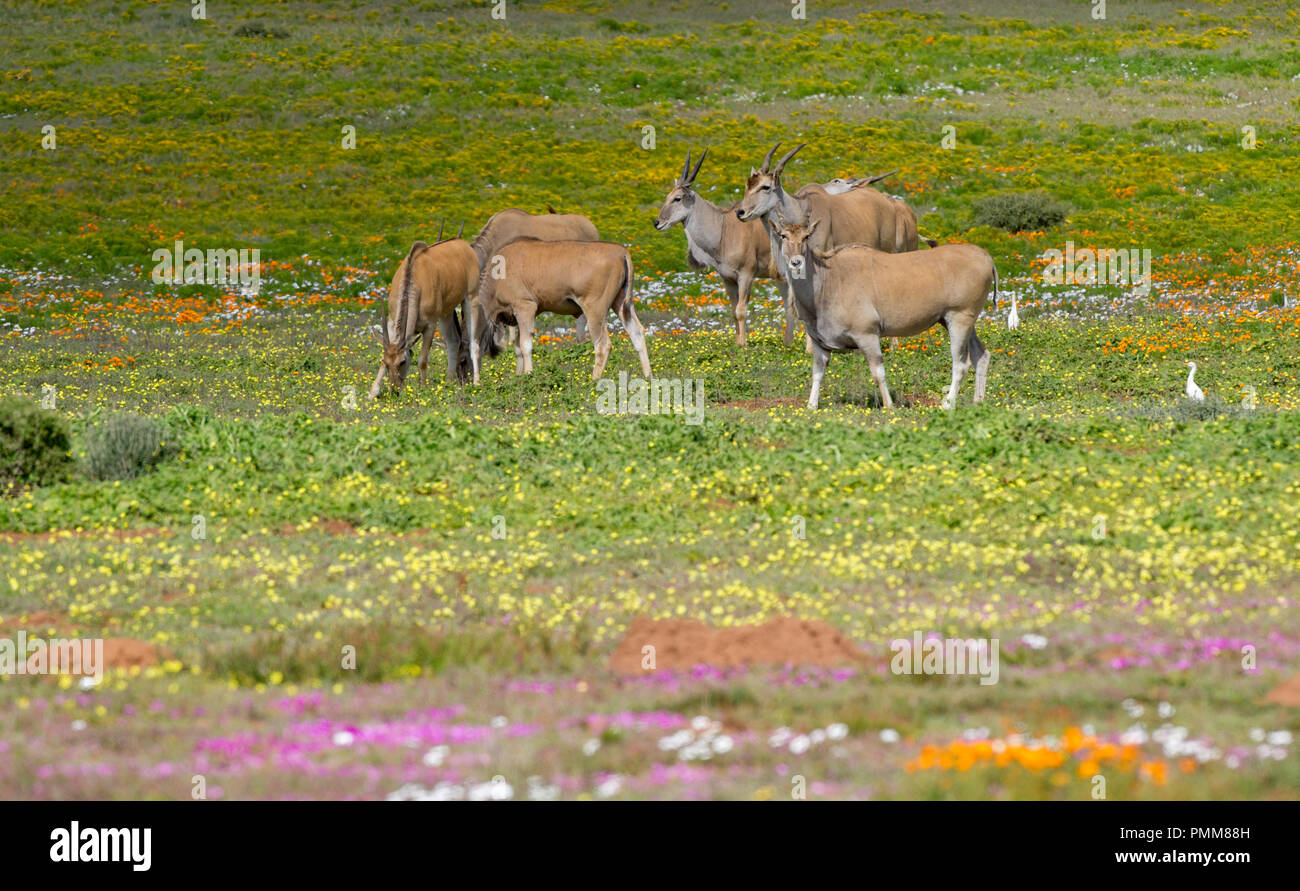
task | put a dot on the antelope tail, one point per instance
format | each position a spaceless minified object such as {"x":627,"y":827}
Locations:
{"x":627,"y":285}
{"x":932,"y":243}
{"x":995,"y":286}
{"x":486,"y":329}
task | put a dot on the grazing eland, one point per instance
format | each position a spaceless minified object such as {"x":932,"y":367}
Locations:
{"x":430,"y":283}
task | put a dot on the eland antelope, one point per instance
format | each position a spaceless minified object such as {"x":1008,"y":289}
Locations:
{"x":508,"y":225}
{"x":852,"y":295}
{"x":529,"y":276}
{"x":859,"y":215}
{"x":740,"y":251}
{"x":431,"y":282}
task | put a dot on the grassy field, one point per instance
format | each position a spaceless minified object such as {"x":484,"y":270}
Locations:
{"x":482,"y":552}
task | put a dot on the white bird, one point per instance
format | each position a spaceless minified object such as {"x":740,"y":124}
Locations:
{"x":1013,"y":320}
{"x":1193,"y":392}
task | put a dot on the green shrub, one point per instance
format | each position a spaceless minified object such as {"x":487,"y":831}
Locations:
{"x":125,"y":446}
{"x":1021,"y":211}
{"x":35,"y":449}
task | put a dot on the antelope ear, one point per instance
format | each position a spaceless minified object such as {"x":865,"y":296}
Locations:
{"x":752,"y":171}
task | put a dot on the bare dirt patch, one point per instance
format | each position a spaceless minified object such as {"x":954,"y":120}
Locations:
{"x":27,"y":538}
{"x":760,"y":404}
{"x":681,"y":644}
{"x":328,"y":526}
{"x":43,"y":620}
{"x":126,"y":652}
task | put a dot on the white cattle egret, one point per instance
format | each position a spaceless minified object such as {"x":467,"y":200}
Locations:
{"x":1013,"y":320}
{"x":1193,"y":392}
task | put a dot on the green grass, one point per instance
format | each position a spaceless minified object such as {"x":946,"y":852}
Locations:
{"x":464,"y":541}
{"x":234,"y":140}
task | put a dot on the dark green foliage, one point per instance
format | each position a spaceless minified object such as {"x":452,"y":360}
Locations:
{"x":1021,"y":211}
{"x":34,"y":446}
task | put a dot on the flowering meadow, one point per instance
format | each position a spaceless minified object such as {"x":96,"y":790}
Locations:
{"x":314,"y":594}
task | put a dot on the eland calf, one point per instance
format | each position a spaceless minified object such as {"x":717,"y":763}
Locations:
{"x":571,"y":278}
{"x":511,"y":224}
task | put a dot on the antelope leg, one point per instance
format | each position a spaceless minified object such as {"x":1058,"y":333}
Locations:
{"x":869,"y":344}
{"x":980,"y":357}
{"x":471,"y":323}
{"x":600,"y":342}
{"x":791,"y":316}
{"x":451,"y":342}
{"x":424,"y":355}
{"x":959,"y":331}
{"x":524,"y":341}
{"x":636,"y":334}
{"x":820,"y":359}
{"x":737,"y":308}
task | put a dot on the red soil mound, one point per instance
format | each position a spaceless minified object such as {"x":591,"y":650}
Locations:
{"x":1285,"y":693}
{"x":119,"y":652}
{"x":681,"y":644}
{"x":124,"y":652}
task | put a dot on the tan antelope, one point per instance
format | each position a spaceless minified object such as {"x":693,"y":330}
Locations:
{"x":740,"y":251}
{"x":852,"y":295}
{"x":570,"y":278}
{"x":506,"y":226}
{"x":905,"y":227}
{"x":426,"y":289}
{"x":860,"y":215}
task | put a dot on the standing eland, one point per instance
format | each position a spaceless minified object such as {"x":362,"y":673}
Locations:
{"x":740,"y":251}
{"x":852,"y":295}
{"x":570,"y":278}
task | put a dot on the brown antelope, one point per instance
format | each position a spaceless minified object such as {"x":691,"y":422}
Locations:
{"x":905,"y":229}
{"x":529,"y":276}
{"x":852,"y":295}
{"x":508,"y":225}
{"x":426,"y":289}
{"x":740,"y":251}
{"x":859,"y":216}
